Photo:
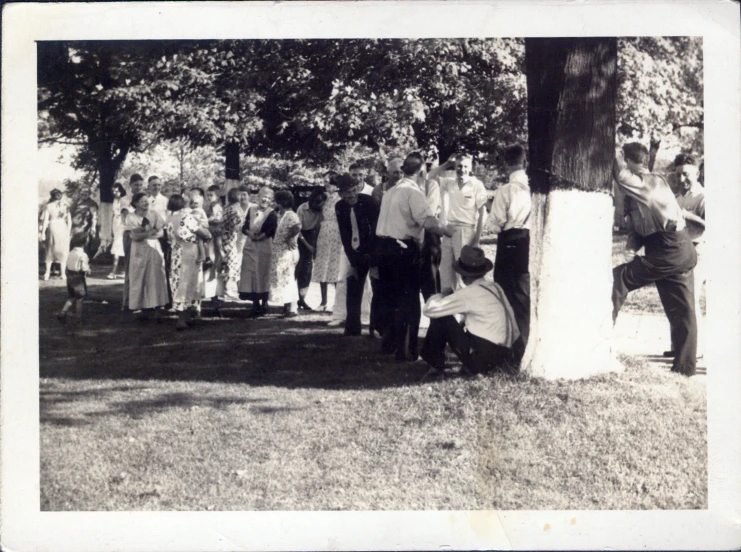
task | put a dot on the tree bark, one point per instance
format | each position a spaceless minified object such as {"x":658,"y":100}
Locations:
{"x":571,"y":85}
{"x":653,"y":149}
{"x":231,"y":153}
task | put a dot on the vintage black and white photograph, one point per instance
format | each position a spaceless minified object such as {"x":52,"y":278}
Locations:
{"x":340,"y":274}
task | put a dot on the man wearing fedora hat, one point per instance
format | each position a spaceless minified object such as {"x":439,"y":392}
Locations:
{"x":357,"y":215}
{"x":489,"y":330}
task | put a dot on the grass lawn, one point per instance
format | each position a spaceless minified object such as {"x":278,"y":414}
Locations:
{"x":271,"y":414}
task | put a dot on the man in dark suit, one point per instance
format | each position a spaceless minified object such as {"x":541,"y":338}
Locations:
{"x":357,"y":215}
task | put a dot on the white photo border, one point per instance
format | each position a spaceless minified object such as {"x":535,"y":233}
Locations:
{"x":25,"y":528}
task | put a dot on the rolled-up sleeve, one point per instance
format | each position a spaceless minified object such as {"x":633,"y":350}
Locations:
{"x":438,"y":305}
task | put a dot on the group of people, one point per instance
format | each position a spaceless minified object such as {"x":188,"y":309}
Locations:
{"x":416,"y":233}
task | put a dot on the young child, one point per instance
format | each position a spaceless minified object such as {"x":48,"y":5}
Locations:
{"x":215,"y":213}
{"x":76,"y":269}
{"x":196,"y":208}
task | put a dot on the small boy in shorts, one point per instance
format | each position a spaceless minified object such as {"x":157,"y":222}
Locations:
{"x":77,"y":268}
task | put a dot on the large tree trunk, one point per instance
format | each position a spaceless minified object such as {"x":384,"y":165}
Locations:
{"x":231,"y":153}
{"x":653,"y":149}
{"x":571,"y":86}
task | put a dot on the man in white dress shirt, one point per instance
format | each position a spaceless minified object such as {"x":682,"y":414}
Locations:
{"x":157,"y":201}
{"x":484,"y":341}
{"x":464,"y":208}
{"x":691,"y":199}
{"x":403,"y":218}
{"x":510,"y":219}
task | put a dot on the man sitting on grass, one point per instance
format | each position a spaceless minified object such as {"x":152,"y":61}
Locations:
{"x":484,"y":340}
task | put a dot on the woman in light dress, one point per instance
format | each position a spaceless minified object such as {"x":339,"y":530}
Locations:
{"x":328,"y":244}
{"x":283,"y":289}
{"x":259,"y":228}
{"x":117,"y":228}
{"x":54,"y":231}
{"x":147,"y":282}
{"x":231,"y":239}
{"x":186,"y":272}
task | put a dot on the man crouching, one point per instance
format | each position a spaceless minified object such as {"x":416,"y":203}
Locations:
{"x":484,"y":341}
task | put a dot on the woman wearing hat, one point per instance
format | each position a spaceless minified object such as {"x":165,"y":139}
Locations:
{"x":489,"y":329}
{"x":54,"y":231}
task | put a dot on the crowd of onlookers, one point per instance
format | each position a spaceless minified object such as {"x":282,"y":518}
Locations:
{"x":415,"y":233}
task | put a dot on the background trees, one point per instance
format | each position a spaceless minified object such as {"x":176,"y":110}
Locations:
{"x":321,"y":101}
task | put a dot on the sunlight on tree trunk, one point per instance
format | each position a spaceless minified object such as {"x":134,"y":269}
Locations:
{"x":571,"y":128}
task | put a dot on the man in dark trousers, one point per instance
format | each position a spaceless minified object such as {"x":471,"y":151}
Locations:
{"x":510,"y":219}
{"x":656,"y":223}
{"x":357,"y":215}
{"x":405,"y":215}
{"x":484,"y":339}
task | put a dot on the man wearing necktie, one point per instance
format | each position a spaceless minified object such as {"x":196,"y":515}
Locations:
{"x":357,"y":215}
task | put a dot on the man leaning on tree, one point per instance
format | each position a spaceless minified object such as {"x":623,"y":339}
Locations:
{"x":656,"y":222}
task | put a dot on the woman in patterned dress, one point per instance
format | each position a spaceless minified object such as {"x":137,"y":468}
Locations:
{"x":328,"y":244}
{"x":283,"y":288}
{"x":54,"y":231}
{"x":186,"y":273}
{"x":233,"y":221}
{"x":259,"y":227}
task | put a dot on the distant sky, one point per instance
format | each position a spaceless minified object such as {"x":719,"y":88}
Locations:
{"x":52,"y":171}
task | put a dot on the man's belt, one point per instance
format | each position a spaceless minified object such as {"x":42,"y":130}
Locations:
{"x":513,"y":234}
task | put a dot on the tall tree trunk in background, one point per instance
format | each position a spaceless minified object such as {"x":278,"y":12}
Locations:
{"x":571,"y":88}
{"x":231,"y":153}
{"x":108,"y":166}
{"x":653,"y":149}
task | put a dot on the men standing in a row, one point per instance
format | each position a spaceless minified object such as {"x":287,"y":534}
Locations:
{"x":510,"y":219}
{"x":463,"y":207}
{"x":404,"y":216}
{"x":691,"y":199}
{"x":357,"y":215}
{"x":657,"y":222}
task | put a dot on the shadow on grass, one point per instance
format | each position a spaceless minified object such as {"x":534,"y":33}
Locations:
{"x":297,"y":353}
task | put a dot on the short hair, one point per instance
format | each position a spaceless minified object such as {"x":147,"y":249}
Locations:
{"x":331,"y":176}
{"x":284,"y":198}
{"x":213,"y":188}
{"x":136,"y":177}
{"x":243,"y":188}
{"x":55,"y":194}
{"x":394,"y":159}
{"x":355,"y":166}
{"x":461,"y":156}
{"x":685,"y":159}
{"x":120,"y":188}
{"x":79,"y":239}
{"x":153,"y":177}
{"x":175,"y":203}
{"x":636,"y":152}
{"x":232,"y":196}
{"x":317,"y":194}
{"x":198,"y":191}
{"x":412,"y":164}
{"x":137,"y":197}
{"x":514,"y":155}
{"x":266,"y":190}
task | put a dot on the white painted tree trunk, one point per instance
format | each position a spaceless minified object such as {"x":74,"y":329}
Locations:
{"x":230,"y":183}
{"x":571,"y":286}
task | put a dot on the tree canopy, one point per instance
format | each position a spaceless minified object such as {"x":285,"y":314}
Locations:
{"x":314,"y":100}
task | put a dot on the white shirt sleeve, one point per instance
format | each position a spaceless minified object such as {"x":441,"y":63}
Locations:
{"x":438,"y":305}
{"x":498,"y":214}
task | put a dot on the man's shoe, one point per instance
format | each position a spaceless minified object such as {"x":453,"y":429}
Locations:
{"x":335,"y":323}
{"x":433,"y":374}
{"x":670,"y":354}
